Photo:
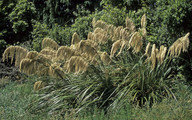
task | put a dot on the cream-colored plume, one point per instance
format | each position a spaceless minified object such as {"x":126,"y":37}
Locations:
{"x":65,"y":53}
{"x":76,"y":64}
{"x":15,"y":52}
{"x":93,"y":22}
{"x":111,"y":30}
{"x":90,"y":36}
{"x":161,"y":54}
{"x":116,"y":45}
{"x":32,"y":55}
{"x":136,"y":42}
{"x":75,"y":39}
{"x":87,"y":47}
{"x":100,"y":24}
{"x":130,"y":25}
{"x":105,"y":58}
{"x":37,"y":65}
{"x":143,"y":21}
{"x":56,"y":71}
{"x":38,"y":85}
{"x":180,"y":45}
{"x":153,"y":56}
{"x":100,"y":38}
{"x":117,"y":33}
{"x":48,"y":42}
{"x":148,"y":50}
{"x":48,"y":52}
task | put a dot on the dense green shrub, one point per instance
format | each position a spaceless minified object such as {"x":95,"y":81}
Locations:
{"x":2,"y":47}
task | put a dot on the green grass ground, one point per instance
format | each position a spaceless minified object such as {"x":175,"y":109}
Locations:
{"x":15,"y":98}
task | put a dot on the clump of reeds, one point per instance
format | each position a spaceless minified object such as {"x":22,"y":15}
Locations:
{"x":48,"y":42}
{"x":16,"y":53}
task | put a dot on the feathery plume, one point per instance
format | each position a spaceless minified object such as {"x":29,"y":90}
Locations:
{"x":179,"y":45}
{"x":116,"y":45}
{"x":162,"y":54}
{"x":147,"y":50}
{"x":48,"y":42}
{"x":75,"y":39}
{"x":65,"y":53}
{"x":32,"y":55}
{"x":130,"y":25}
{"x":88,"y":48}
{"x":48,"y":52}
{"x":14,"y":52}
{"x":110,"y":30}
{"x":136,"y":42}
{"x":153,"y":56}
{"x":76,"y":64}
{"x":93,"y":22}
{"x":56,"y":71}
{"x":90,"y":36}
{"x":38,"y":85}
{"x":143,"y":21}
{"x":105,"y":58}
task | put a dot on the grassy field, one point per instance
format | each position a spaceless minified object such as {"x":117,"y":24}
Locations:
{"x":15,"y":98}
